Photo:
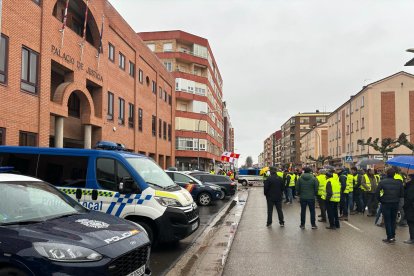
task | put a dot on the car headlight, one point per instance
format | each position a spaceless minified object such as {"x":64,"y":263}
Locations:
{"x":168,"y":202}
{"x":66,"y":252}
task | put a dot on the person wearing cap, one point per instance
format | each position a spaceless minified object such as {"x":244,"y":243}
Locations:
{"x":333,"y":197}
{"x":409,"y":207}
{"x":273,"y":190}
{"x":307,"y":189}
{"x":389,"y":192}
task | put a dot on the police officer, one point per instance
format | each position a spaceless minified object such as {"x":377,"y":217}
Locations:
{"x":333,"y":197}
{"x":273,"y":190}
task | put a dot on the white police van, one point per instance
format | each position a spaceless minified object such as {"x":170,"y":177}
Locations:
{"x":115,"y":182}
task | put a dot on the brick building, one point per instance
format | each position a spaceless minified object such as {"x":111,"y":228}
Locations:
{"x":272,"y":150}
{"x":57,"y":91}
{"x":199,"y":122}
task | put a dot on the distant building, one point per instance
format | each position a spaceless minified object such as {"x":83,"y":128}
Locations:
{"x":382,"y":109}
{"x":261,"y":162}
{"x":292,"y":131}
{"x":271,"y":149}
{"x":314,"y":144}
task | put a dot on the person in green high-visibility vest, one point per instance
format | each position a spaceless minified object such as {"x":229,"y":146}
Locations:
{"x":333,"y":197}
{"x":321,"y":177}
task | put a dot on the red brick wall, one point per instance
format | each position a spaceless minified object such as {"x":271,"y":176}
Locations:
{"x":388,"y":115}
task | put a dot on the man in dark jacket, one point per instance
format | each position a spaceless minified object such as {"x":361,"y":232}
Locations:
{"x":273,"y":190}
{"x":389,"y":192}
{"x":409,"y":207}
{"x":307,"y":189}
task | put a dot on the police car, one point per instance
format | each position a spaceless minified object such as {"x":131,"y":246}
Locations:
{"x":44,"y":232}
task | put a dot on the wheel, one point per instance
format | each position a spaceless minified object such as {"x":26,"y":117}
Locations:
{"x":204,"y":199}
{"x":10,"y":271}
{"x":149,"y":231}
{"x":222,"y":195}
{"x":244,"y":183}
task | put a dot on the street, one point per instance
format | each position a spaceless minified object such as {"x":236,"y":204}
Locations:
{"x":166,"y":255}
{"x":355,"y":249}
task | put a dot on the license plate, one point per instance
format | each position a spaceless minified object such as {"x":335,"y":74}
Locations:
{"x":194,"y":226}
{"x":139,"y":272}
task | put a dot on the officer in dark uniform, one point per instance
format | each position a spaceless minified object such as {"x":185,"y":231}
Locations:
{"x":273,"y":190}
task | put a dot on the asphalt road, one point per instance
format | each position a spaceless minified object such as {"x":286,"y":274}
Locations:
{"x":165,"y":255}
{"x":355,"y":249}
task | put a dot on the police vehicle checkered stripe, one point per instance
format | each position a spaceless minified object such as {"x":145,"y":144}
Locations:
{"x":87,"y":192}
{"x":123,"y":200}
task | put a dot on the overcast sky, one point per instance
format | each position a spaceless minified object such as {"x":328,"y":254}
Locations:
{"x":280,"y":57}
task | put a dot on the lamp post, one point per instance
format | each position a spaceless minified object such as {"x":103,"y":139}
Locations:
{"x":198,"y":139}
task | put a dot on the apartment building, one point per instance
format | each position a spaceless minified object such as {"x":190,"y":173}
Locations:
{"x":228,"y":131}
{"x":292,"y":131}
{"x":314,"y":144}
{"x":199,"y":122}
{"x":66,"y":86}
{"x":268,"y":151}
{"x":382,"y":109}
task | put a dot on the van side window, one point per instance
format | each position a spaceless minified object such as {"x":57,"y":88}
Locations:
{"x":122,"y":172}
{"x":208,"y":178}
{"x":22,"y":163}
{"x":105,"y":174}
{"x":63,"y":171}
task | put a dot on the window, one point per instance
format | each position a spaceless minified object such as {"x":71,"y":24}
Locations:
{"x":159,"y":128}
{"x":29,"y":76}
{"x":151,"y":46}
{"x":131,"y":115}
{"x":121,"y":61}
{"x":154,"y":87}
{"x":165,"y":96}
{"x":178,"y":177}
{"x":121,"y":117}
{"x":160,"y":92}
{"x":25,"y":164}
{"x":357,"y":125}
{"x":140,"y":119}
{"x":168,"y":65}
{"x":164,"y":133}
{"x":111,"y":52}
{"x":4,"y":58}
{"x":110,"y":115}
{"x":109,"y":173}
{"x":69,"y":171}
{"x":36,"y":1}
{"x":362,"y":101}
{"x":167,"y":47}
{"x":27,"y":139}
{"x":169,"y":132}
{"x":169,"y":99}
{"x":74,"y":106}
{"x":347,"y":130}
{"x":352,"y":127}
{"x":2,"y":136}
{"x":140,"y":76}
{"x":131,"y":69}
{"x":154,"y":125}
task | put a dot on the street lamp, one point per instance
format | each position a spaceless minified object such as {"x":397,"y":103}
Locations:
{"x":198,"y":139}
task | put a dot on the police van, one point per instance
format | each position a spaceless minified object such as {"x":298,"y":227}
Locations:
{"x":116,"y":182}
{"x":249,"y":177}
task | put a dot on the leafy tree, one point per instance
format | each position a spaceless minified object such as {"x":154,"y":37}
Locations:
{"x":386,"y":146}
{"x":249,"y":162}
{"x":320,"y":160}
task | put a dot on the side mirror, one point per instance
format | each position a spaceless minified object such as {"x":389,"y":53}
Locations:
{"x":127,"y":186}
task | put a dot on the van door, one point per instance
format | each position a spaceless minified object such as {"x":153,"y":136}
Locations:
{"x":67,"y":173}
{"x":106,"y":198}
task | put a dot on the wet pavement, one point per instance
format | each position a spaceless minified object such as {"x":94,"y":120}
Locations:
{"x":355,"y":249}
{"x":166,"y":255}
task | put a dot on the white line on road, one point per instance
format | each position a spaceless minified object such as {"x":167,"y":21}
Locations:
{"x":356,"y":228}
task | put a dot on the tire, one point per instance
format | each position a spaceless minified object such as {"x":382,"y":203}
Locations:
{"x":222,"y":195}
{"x":10,"y":271}
{"x":204,"y":199}
{"x":149,"y":230}
{"x":244,"y":183}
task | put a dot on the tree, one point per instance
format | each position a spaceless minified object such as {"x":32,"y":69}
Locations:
{"x":249,"y":162}
{"x":320,"y":160}
{"x":404,"y":141}
{"x":386,"y":146}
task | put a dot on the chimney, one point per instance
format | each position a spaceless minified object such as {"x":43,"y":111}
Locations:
{"x":317,"y":110}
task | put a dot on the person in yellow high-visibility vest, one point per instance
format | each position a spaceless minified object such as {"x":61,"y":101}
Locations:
{"x":291,"y":183}
{"x":333,"y":197}
{"x":321,"y":177}
{"x":369,"y":185}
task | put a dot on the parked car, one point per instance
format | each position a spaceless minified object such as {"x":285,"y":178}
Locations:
{"x":45,"y":232}
{"x":227,"y":186}
{"x":202,"y":194}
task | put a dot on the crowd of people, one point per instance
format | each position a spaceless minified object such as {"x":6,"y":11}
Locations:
{"x":386,"y":195}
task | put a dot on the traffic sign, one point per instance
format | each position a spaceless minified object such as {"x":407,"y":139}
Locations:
{"x":348,"y":159}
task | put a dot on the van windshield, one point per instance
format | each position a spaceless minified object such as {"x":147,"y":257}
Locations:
{"x":151,"y":172}
{"x":32,"y":202}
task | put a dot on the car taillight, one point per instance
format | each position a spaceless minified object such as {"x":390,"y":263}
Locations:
{"x":189,"y":187}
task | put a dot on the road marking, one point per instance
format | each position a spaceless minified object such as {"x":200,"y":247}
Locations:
{"x":356,"y":228}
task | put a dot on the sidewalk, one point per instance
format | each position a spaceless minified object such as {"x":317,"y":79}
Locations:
{"x":355,"y":249}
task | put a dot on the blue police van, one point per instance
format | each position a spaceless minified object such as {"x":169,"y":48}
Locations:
{"x":116,"y":182}
{"x":45,"y":232}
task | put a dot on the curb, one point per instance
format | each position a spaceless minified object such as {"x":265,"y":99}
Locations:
{"x":188,"y":264}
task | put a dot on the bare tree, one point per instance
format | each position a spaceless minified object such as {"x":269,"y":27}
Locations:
{"x":320,"y":160}
{"x":386,"y":146}
{"x":249,"y":162}
{"x":404,"y":141}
